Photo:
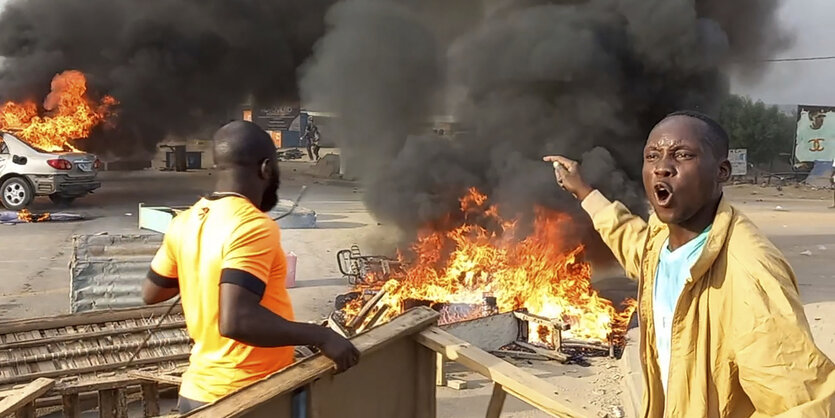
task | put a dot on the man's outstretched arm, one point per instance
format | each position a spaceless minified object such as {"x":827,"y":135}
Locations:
{"x":623,"y":232}
{"x":242,"y":318}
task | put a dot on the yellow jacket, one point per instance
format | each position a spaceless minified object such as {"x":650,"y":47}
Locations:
{"x":741,"y":345}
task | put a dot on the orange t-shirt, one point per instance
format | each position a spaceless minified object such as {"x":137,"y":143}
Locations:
{"x":212,"y":235}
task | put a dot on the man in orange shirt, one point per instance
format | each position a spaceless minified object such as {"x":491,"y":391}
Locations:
{"x":224,"y":257}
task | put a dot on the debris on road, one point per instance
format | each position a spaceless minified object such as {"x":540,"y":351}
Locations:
{"x":807,"y":253}
{"x":24,"y":216}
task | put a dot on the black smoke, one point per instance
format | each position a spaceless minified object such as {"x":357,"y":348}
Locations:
{"x":177,"y":67}
{"x":522,"y":78}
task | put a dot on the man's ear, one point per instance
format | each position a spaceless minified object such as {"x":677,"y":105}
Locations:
{"x":265,"y":169}
{"x":724,"y":171}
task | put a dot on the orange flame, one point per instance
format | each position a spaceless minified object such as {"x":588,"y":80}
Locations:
{"x":533,"y":272}
{"x":69,"y":114}
{"x":26,"y":216}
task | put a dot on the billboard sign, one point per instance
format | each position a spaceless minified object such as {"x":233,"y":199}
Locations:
{"x":275,"y":118}
{"x":739,"y":161}
{"x":815,"y":139}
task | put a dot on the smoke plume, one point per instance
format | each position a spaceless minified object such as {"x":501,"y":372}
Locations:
{"x":177,"y":67}
{"x":522,"y":79}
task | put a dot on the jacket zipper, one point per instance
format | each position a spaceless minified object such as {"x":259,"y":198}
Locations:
{"x":685,"y":290}
{"x":640,"y":296}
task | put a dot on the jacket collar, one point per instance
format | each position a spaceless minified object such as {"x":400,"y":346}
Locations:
{"x":715,"y":239}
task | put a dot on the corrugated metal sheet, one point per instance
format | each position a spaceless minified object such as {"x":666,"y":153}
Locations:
{"x":106,"y":271}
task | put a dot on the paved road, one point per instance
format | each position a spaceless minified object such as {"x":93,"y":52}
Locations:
{"x":34,"y":258}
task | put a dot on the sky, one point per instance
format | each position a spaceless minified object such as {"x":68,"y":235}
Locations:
{"x":792,"y":83}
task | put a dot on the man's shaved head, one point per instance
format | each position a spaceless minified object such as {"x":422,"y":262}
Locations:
{"x":246,"y":156}
{"x":241,"y":143}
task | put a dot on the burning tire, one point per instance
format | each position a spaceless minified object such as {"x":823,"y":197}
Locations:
{"x":16,"y":193}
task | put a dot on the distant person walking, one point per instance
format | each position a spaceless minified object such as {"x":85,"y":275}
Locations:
{"x":832,"y":182}
{"x":311,"y":140}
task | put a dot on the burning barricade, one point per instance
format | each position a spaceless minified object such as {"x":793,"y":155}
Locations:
{"x":469,"y":272}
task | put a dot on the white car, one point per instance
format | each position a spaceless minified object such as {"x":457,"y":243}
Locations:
{"x":26,"y":172}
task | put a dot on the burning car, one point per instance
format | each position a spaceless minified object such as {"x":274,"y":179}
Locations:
{"x":27,"y":171}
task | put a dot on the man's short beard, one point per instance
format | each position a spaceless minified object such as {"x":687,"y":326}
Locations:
{"x":270,"y":197}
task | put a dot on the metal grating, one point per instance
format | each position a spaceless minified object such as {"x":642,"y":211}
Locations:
{"x":80,"y":347}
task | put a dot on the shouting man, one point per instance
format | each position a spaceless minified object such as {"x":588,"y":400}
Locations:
{"x":224,"y":257}
{"x":723,"y":332}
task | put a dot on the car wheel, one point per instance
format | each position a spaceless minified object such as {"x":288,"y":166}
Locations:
{"x":61,"y":200}
{"x":16,"y":193}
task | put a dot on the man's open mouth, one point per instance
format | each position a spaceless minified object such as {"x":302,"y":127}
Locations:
{"x":663,"y":194}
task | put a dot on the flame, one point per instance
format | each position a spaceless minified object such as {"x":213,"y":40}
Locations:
{"x":533,"y":272}
{"x":26,"y":216}
{"x":69,"y":114}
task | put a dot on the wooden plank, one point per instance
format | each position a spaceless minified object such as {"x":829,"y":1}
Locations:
{"x":93,"y":351}
{"x":440,"y":370}
{"x":494,"y":408}
{"x":334,"y":324}
{"x":425,"y":398}
{"x":514,"y":380}
{"x":305,"y":371}
{"x":150,"y":399}
{"x":91,"y":369}
{"x":456,"y":384}
{"x":519,"y":355}
{"x":357,"y":320}
{"x":86,"y":400}
{"x":556,"y":323}
{"x":488,"y":333}
{"x":85,"y":318}
{"x":157,"y":377}
{"x":107,"y":403}
{"x":71,"y":405}
{"x":25,"y":396}
{"x":121,"y":404}
{"x":389,"y":386}
{"x":26,"y":411}
{"x":374,"y":319}
{"x":102,"y":383}
{"x":551,"y":354}
{"x":89,"y":335}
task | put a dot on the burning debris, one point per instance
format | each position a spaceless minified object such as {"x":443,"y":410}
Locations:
{"x":358,"y":268}
{"x":25,"y":216}
{"x":67,"y":114}
{"x":470,"y":271}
